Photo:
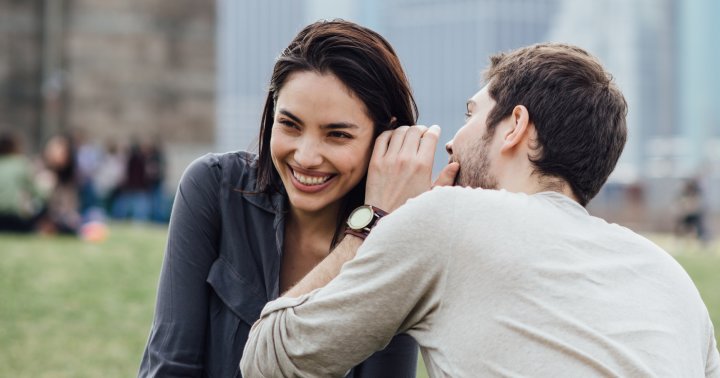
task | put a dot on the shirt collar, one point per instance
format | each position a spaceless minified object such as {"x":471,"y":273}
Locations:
{"x":564,"y":202}
{"x":273,"y":202}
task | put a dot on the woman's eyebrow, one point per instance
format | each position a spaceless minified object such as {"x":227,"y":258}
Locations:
{"x":332,"y":125}
{"x":340,"y":125}
{"x":290,"y":115}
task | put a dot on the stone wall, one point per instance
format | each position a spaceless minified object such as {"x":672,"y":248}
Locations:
{"x":20,"y":68}
{"x":141,"y":69}
{"x":127,"y":69}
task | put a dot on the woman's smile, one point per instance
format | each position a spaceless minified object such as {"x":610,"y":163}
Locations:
{"x":320,"y":143}
{"x":309,"y":181}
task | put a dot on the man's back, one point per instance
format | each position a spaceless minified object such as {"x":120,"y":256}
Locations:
{"x":492,"y":283}
{"x":534,"y":286}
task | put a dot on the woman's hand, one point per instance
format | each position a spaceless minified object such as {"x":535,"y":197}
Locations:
{"x":401,"y":166}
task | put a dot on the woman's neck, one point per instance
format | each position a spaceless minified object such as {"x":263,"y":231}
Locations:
{"x":318,"y":226}
{"x":307,"y":242}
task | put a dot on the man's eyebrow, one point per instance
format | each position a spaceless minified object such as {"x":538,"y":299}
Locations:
{"x":290,"y":115}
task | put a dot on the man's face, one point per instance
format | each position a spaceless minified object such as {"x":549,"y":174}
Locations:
{"x":472,"y":146}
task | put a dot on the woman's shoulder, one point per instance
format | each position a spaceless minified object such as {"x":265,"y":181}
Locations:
{"x":237,"y":169}
{"x":228,"y":161}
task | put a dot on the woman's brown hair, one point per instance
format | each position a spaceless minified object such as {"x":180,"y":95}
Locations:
{"x":365,"y":63}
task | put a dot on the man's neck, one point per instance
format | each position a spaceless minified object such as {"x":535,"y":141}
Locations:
{"x":534,"y":184}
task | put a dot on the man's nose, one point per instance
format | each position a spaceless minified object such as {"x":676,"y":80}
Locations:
{"x":448,"y":147}
{"x":307,"y":154}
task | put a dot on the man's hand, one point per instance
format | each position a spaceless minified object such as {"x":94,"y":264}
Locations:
{"x":401,"y":166}
{"x":447,"y":175}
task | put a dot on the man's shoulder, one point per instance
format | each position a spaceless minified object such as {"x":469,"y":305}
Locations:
{"x":445,"y":206}
{"x":464,"y":196}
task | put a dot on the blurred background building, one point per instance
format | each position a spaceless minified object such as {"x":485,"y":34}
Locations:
{"x":194,"y":74}
{"x":111,"y":70}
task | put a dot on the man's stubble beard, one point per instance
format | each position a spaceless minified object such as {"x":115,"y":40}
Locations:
{"x":475,"y":166}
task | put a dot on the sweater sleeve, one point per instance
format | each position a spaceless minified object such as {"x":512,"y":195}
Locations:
{"x":177,"y":338}
{"x":394,"y":284}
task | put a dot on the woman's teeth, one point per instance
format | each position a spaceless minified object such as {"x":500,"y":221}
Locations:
{"x":310,"y":180}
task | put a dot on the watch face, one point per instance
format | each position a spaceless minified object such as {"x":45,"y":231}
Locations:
{"x":360,"y":217}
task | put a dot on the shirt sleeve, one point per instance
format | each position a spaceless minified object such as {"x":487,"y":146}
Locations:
{"x":712,"y":365}
{"x":177,"y":338}
{"x":394,"y":284}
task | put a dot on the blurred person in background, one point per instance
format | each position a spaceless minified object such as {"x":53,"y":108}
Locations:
{"x":133,"y":200}
{"x":22,"y":199}
{"x":110,"y":175}
{"x":63,"y":215}
{"x":691,"y":211}
{"x":88,"y":158}
{"x":155,"y":170}
{"x":245,"y":228}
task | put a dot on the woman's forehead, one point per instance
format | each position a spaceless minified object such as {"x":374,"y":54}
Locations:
{"x":320,"y":99}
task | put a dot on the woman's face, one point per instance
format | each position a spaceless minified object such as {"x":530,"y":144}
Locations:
{"x":321,"y":140}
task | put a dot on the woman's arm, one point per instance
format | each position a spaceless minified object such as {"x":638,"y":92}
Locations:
{"x":177,"y":339}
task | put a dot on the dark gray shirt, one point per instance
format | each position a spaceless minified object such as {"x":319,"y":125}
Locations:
{"x":221,"y":266}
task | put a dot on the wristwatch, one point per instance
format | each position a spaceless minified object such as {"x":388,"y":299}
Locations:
{"x":362,"y":220}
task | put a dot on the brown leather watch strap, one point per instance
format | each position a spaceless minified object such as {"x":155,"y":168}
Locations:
{"x":350,"y":231}
{"x":379,"y":211}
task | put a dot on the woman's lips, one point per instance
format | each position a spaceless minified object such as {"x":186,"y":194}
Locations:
{"x":310,"y":183}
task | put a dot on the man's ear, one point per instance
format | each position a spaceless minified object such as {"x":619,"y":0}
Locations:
{"x":518,"y":130}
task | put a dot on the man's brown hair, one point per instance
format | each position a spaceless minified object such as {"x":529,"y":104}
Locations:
{"x":576,"y":108}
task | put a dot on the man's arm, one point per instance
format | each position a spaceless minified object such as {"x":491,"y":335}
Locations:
{"x":395,"y":283}
{"x":328,"y":268}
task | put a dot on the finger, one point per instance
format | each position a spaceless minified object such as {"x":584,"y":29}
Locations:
{"x":396,"y":141}
{"x":429,"y":142}
{"x":447,"y":175}
{"x":411,"y":143}
{"x":381,"y":144}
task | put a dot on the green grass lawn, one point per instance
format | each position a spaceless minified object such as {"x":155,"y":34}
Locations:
{"x":75,"y":309}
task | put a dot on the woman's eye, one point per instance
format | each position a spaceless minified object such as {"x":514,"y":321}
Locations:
{"x":340,"y":134}
{"x":468,"y":115}
{"x":288,"y":124}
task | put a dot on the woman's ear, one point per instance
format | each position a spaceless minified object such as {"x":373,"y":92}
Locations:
{"x":518,"y":130}
{"x":393,"y":122}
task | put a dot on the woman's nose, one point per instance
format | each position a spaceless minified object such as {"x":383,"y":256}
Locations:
{"x":308,"y":154}
{"x":448,"y":147}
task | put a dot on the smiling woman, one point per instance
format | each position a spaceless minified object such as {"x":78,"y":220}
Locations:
{"x":246,"y":228}
{"x":320,"y":147}
{"x":320,"y":144}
